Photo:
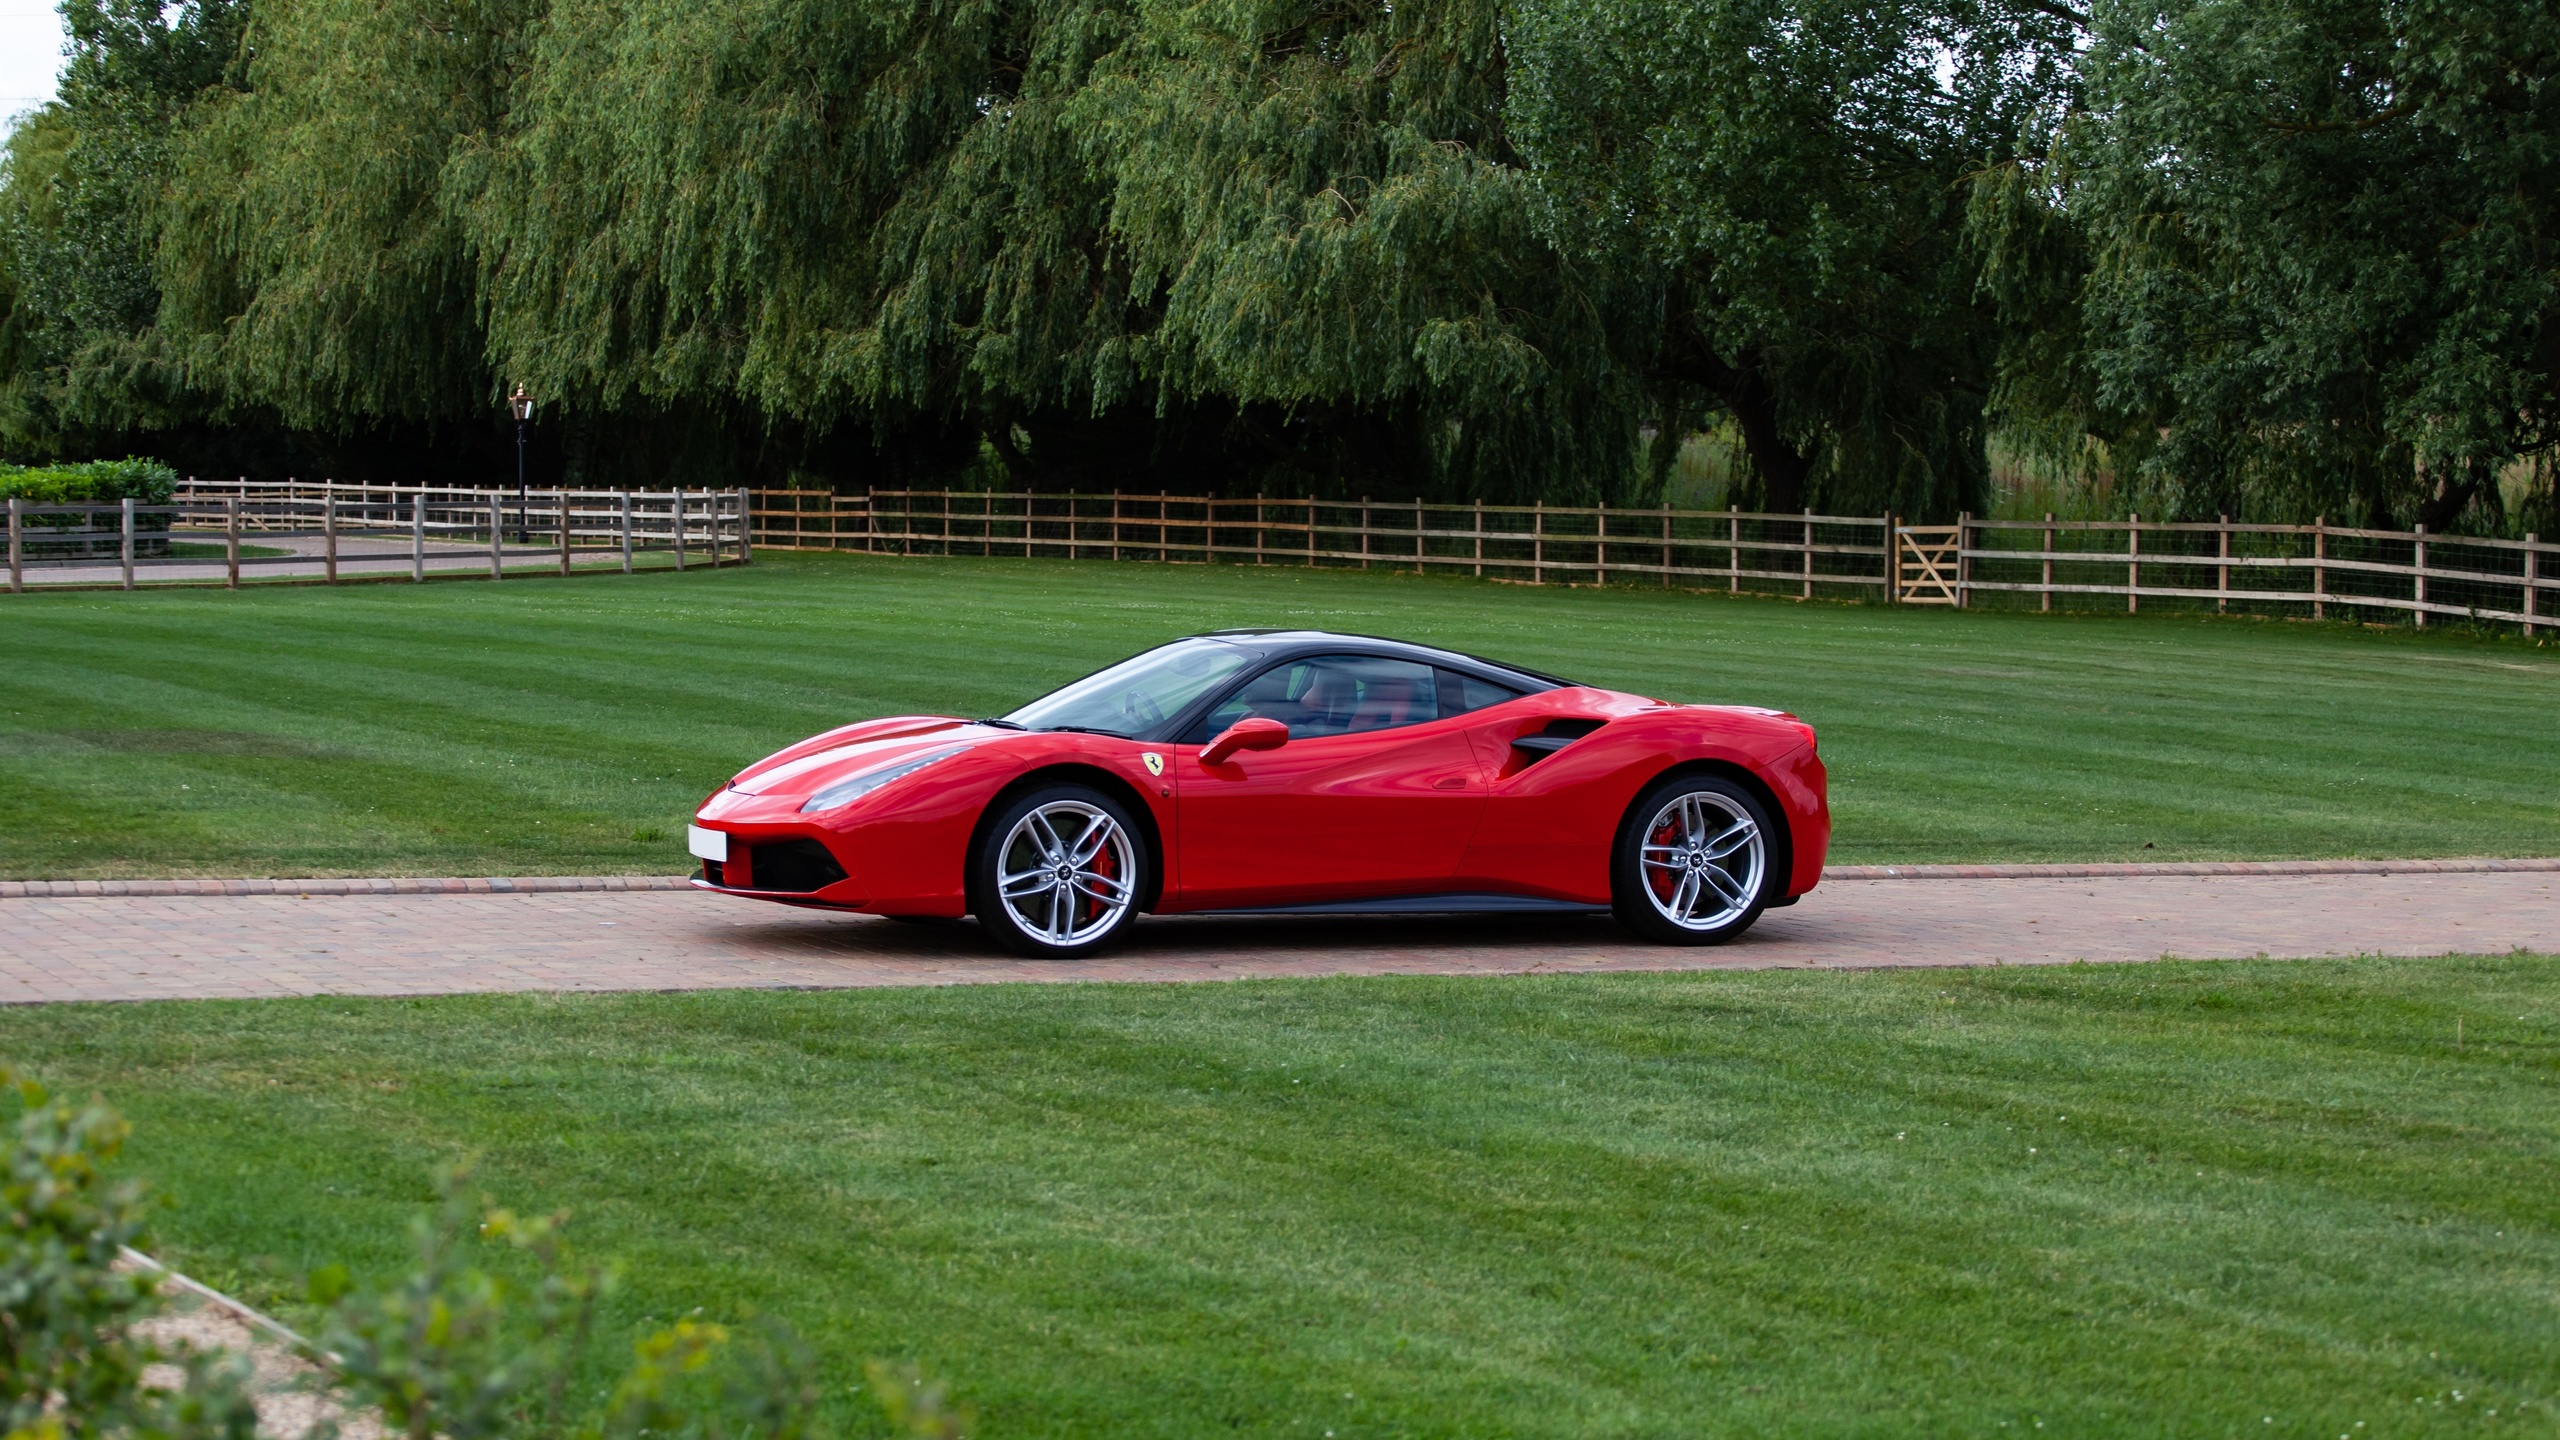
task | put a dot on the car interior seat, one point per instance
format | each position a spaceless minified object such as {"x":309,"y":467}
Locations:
{"x":1328,"y":703}
{"x":1389,"y":702}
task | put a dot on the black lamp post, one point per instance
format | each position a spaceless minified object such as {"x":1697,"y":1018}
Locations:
{"x":520,"y":405}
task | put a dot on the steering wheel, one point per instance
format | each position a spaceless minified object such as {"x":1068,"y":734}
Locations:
{"x":1138,"y":705}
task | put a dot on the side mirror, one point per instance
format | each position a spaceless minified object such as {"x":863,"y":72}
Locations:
{"x":1251,"y":733}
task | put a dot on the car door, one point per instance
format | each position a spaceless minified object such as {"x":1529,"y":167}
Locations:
{"x":1375,"y":794}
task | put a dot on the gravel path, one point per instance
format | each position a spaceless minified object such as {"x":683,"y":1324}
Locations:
{"x":360,"y":942}
{"x":286,"y":1388}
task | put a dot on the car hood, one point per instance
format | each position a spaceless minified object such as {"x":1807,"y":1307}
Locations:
{"x":821,"y":760}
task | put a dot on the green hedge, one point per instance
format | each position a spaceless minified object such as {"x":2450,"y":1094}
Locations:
{"x":77,"y":538}
{"x":93,"y":482}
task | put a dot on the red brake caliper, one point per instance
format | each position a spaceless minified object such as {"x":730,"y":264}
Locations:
{"x":1660,"y":880}
{"x":1104,"y":862}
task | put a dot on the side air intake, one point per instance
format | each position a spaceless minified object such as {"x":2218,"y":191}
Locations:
{"x":1557,"y":734}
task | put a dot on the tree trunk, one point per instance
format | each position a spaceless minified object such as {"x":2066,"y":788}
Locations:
{"x":1782,"y":469}
{"x":1017,"y":466}
{"x":2439,"y":510}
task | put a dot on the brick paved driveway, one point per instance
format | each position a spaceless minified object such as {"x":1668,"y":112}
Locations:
{"x":172,"y":946}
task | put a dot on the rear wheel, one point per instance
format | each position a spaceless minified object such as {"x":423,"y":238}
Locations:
{"x":1059,"y":872}
{"x":1692,"y":864}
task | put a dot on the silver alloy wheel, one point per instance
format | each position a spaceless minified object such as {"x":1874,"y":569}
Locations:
{"x":1702,"y":860}
{"x":1067,"y":873}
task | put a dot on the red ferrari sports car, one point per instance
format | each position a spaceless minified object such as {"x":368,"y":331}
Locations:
{"x":1270,"y":771}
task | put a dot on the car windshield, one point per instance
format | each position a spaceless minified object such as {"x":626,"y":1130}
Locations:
{"x":1139,"y":692}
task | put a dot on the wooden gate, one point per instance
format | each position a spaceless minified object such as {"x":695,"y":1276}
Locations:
{"x":1928,"y":564}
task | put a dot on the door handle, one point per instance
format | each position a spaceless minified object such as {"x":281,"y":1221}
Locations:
{"x":1450,"y":782}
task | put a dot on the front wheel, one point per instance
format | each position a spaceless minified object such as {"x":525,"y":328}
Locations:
{"x":1692,"y":864}
{"x":1059,"y":873}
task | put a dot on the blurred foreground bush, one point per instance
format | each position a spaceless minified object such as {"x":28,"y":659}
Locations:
{"x":70,"y":1367}
{"x":453,"y":1351}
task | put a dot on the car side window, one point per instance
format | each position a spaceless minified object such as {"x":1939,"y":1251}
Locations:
{"x":1331,"y":695}
{"x":1462,"y":693}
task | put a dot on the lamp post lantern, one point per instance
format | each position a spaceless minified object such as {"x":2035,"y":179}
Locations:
{"x":520,"y":405}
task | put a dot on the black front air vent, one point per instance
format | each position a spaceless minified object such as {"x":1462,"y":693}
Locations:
{"x":711,"y":871}
{"x":1557,"y":734}
{"x":793,"y":867}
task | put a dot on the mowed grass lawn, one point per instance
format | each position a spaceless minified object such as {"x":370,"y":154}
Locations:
{"x":570,"y":726}
{"x":2292,"y":1200}
{"x":2269,"y":1199}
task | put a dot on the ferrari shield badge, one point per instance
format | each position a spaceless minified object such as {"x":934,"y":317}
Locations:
{"x":1154,"y":761}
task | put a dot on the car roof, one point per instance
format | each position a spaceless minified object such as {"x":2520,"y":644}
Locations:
{"x":1279,"y":644}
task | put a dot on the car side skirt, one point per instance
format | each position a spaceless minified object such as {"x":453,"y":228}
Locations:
{"x":1457,"y":904}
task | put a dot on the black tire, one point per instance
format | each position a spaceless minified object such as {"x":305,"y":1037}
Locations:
{"x":1720,"y":894}
{"x":1061,"y":920}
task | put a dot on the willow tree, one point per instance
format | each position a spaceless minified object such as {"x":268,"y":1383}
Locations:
{"x":1322,"y":209}
{"x":1791,"y":176}
{"x":31,"y":314}
{"x":1213,"y":244}
{"x":1327,"y":245}
{"x":315,"y":267}
{"x":80,"y":211}
{"x":798,"y":208}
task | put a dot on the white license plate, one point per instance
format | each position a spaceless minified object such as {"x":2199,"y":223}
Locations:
{"x":707,"y":844}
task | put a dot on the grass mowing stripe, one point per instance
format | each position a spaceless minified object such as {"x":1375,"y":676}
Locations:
{"x":425,"y":730}
{"x":2166,"y":1198}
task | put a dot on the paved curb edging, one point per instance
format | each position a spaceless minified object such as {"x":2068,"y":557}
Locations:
{"x":2179,"y":867}
{"x":563,"y":884}
{"x":275,"y":1329}
{"x":400,"y":885}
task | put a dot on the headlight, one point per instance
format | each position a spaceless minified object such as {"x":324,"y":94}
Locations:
{"x":845,"y":792}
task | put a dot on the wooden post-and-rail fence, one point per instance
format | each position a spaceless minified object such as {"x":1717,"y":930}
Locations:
{"x":372,"y":531}
{"x":1802,"y":554}
{"x":325,"y":532}
{"x":2317,"y":570}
